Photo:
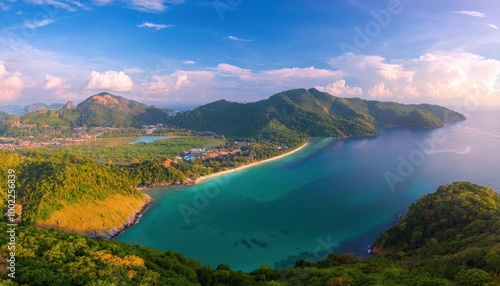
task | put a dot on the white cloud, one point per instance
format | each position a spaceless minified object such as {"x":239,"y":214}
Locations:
{"x":133,"y":70}
{"x":230,"y":70}
{"x":110,"y":81}
{"x":340,"y":88}
{"x":101,"y":2}
{"x":38,"y":24}
{"x":154,"y":26}
{"x":380,"y":90}
{"x":164,"y":85}
{"x":10,"y":84}
{"x":233,"y":38}
{"x":470,"y":13}
{"x":439,"y":76}
{"x":189,"y":62}
{"x":53,"y":82}
{"x":57,"y":4}
{"x":4,"y":7}
{"x":310,"y":72}
{"x":493,"y":26}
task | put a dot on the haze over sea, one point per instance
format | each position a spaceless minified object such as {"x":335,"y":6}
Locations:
{"x":333,"y":195}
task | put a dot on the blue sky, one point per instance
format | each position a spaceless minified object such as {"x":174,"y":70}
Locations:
{"x":182,"y":52}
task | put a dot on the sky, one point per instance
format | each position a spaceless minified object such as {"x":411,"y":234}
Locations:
{"x":189,"y":52}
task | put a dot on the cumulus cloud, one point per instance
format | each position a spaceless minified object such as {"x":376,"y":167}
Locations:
{"x":53,"y":82}
{"x":380,"y":90}
{"x":340,"y":88}
{"x":469,"y":13}
{"x":153,"y":26}
{"x":110,"y":81}
{"x":168,"y":84}
{"x":433,"y":75}
{"x":493,"y":26}
{"x":10,"y":84}
{"x":189,"y":62}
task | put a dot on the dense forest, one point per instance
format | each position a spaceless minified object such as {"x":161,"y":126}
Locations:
{"x":312,"y":113}
{"x":76,"y":188}
{"x":447,"y":253}
{"x":307,"y":112}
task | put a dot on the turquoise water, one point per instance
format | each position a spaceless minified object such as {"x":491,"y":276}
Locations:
{"x":148,"y":139}
{"x":333,"y":195}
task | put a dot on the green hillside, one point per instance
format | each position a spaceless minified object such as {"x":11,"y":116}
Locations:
{"x":458,"y":245}
{"x":71,"y":192}
{"x":313,"y":113}
{"x":459,"y":225}
{"x":100,"y":110}
{"x":106,"y":110}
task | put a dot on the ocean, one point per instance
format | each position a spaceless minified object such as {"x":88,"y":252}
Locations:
{"x":335,"y":195}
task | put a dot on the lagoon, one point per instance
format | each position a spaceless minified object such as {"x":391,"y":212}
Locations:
{"x":333,"y":195}
{"x":117,"y":141}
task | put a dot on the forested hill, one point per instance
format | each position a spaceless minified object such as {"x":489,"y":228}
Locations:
{"x":313,"y":113}
{"x":447,"y":238}
{"x":70,"y":192}
{"x":106,"y":110}
{"x":100,"y":110}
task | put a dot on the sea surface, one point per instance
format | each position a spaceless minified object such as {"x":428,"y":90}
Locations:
{"x":334,"y":195}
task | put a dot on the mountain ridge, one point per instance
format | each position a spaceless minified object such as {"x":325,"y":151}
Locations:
{"x":313,"y":113}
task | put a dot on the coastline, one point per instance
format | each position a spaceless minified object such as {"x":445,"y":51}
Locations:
{"x":202,"y":178}
{"x":113,"y":233}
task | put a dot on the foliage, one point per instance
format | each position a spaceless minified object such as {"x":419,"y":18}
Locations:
{"x":313,"y":113}
{"x":159,"y":150}
{"x":51,"y":257}
{"x":54,"y":187}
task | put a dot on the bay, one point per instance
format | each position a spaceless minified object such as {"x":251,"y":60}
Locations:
{"x":334,"y":195}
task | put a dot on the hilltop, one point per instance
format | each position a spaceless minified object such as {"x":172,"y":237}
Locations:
{"x":306,"y":112}
{"x":313,"y":113}
{"x":100,"y":110}
{"x":71,"y":193}
{"x":459,"y":245}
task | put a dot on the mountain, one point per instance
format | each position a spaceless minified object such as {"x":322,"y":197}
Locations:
{"x":42,"y":106}
{"x":313,"y":113}
{"x":458,"y":245}
{"x":13,"y":109}
{"x":107,"y":110}
{"x":20,"y":110}
{"x":69,"y":105}
{"x":100,"y":110}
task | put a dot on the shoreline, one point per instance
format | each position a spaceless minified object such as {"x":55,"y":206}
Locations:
{"x":113,"y":233}
{"x":203,"y":178}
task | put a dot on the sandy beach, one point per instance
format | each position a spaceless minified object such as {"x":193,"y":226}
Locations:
{"x":200,"y":179}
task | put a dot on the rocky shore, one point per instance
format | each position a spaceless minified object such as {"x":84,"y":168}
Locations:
{"x":133,"y":219}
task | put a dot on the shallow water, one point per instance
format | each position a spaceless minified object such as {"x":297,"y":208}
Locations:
{"x":333,"y":195}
